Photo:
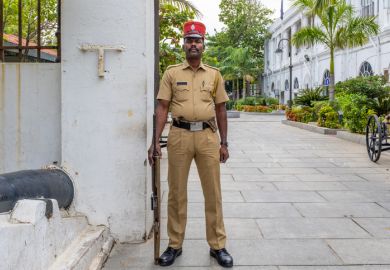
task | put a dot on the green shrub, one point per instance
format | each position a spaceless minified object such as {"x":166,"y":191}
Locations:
{"x":300,"y":114}
{"x":355,"y":111}
{"x":317,"y":106}
{"x":230,"y":105}
{"x":307,"y":96}
{"x":271,"y":101}
{"x":328,"y":117}
{"x":239,"y":107}
{"x":371,"y":86}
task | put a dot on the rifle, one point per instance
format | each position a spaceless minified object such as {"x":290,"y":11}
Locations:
{"x":156,"y":196}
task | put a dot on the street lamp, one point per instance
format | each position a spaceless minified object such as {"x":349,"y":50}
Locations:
{"x":280,"y":50}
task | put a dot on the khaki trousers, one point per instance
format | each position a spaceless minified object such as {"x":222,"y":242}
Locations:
{"x":203,"y":146}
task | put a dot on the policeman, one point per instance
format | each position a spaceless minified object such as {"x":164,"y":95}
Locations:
{"x":196,"y":94}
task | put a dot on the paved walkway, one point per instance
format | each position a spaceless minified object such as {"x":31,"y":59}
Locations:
{"x":293,"y":200}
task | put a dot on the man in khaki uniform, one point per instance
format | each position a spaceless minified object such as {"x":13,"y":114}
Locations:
{"x":197,"y":97}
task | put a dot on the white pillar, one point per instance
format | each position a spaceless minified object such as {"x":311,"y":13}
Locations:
{"x":104,"y":119}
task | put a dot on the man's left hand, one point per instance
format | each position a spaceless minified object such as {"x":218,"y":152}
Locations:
{"x":223,"y":154}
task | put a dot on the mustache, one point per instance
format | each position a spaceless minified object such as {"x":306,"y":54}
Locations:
{"x":193,"y":48}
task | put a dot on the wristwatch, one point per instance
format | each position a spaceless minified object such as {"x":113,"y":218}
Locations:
{"x":225,"y":143}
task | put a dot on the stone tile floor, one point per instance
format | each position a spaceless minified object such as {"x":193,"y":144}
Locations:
{"x":293,"y":200}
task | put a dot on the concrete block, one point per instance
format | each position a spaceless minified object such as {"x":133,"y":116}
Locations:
{"x":356,"y":196}
{"x":82,"y":252}
{"x":309,"y":186}
{"x":290,"y":170}
{"x":328,"y":177}
{"x":282,"y":228}
{"x":378,"y":227}
{"x":365,"y":186}
{"x":28,"y":211}
{"x":338,"y":267}
{"x":341,"y":210}
{"x":264,"y":177}
{"x":361,"y":251}
{"x":281,"y":196}
{"x":282,"y":252}
{"x":242,"y":210}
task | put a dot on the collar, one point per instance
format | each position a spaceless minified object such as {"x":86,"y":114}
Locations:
{"x":186,"y":65}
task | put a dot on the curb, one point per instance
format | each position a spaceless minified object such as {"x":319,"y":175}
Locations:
{"x":341,"y":134}
{"x":312,"y":128}
{"x":352,"y":137}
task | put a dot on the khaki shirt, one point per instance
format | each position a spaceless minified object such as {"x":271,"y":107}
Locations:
{"x":193,"y":94}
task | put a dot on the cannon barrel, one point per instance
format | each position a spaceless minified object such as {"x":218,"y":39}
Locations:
{"x":35,"y":184}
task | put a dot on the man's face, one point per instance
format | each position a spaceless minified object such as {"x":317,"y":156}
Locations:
{"x":193,"y":47}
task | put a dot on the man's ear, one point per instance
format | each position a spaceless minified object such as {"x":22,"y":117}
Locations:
{"x":182,"y":46}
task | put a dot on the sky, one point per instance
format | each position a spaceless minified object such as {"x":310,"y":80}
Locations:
{"x":210,"y":11}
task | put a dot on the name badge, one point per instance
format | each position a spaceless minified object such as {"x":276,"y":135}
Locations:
{"x":181,"y":83}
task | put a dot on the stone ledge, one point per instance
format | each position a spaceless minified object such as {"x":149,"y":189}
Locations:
{"x":312,"y":128}
{"x":233,"y":114}
{"x":266,"y":113}
{"x":352,"y":137}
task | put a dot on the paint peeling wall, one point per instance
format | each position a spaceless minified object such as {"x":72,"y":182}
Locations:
{"x":104,"y":120}
{"x":30,"y":122}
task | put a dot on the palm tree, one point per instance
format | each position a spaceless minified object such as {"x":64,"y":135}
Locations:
{"x":238,"y":64}
{"x":183,"y":5}
{"x":338,"y":29}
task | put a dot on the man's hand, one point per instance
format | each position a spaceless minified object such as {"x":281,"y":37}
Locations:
{"x":150,"y":153}
{"x":223,"y":154}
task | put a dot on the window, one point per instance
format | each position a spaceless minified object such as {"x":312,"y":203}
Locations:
{"x":286,"y":85}
{"x":296,"y":84}
{"x":33,"y":38}
{"x":368,"y":8}
{"x":366,"y":69}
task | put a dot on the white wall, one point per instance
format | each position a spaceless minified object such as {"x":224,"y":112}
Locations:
{"x":30,"y":126}
{"x":104,"y":120}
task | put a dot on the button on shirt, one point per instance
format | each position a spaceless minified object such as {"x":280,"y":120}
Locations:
{"x":192,"y":93}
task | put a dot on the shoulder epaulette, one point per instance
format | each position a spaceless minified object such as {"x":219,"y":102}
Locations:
{"x":172,"y":66}
{"x":211,"y":67}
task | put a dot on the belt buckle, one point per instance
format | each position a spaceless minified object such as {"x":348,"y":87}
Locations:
{"x":196,"y":126}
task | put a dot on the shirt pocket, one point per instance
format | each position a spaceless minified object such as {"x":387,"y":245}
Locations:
{"x":206,"y":92}
{"x":181,"y":92}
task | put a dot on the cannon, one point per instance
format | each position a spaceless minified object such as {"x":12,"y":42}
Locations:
{"x":377,"y":136}
{"x":35,"y":184}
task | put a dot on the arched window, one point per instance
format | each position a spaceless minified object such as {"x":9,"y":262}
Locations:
{"x":366,"y":69}
{"x":296,"y":83}
{"x":286,"y":85}
{"x":325,"y":79}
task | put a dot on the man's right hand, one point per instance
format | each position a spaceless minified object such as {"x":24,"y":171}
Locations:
{"x":150,"y":153}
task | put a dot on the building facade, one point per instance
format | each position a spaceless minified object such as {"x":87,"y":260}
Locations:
{"x":311,"y":63}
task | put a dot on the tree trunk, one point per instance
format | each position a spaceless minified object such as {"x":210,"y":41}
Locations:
{"x":243,"y":88}
{"x":238,"y":89}
{"x":331,"y":75}
{"x":248,"y":87}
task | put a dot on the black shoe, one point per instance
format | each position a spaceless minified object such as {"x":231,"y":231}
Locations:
{"x":223,"y":257}
{"x":169,"y":256}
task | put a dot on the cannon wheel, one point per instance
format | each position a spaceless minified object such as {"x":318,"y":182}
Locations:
{"x":374,"y":138}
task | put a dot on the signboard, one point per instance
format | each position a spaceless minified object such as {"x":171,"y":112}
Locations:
{"x":326,"y":82}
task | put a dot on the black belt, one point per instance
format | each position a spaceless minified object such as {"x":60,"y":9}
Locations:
{"x":191,"y":125}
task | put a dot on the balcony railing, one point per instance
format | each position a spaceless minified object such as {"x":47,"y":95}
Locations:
{"x":21,"y":36}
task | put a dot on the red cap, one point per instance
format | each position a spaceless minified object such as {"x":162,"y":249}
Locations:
{"x":194,"y":29}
